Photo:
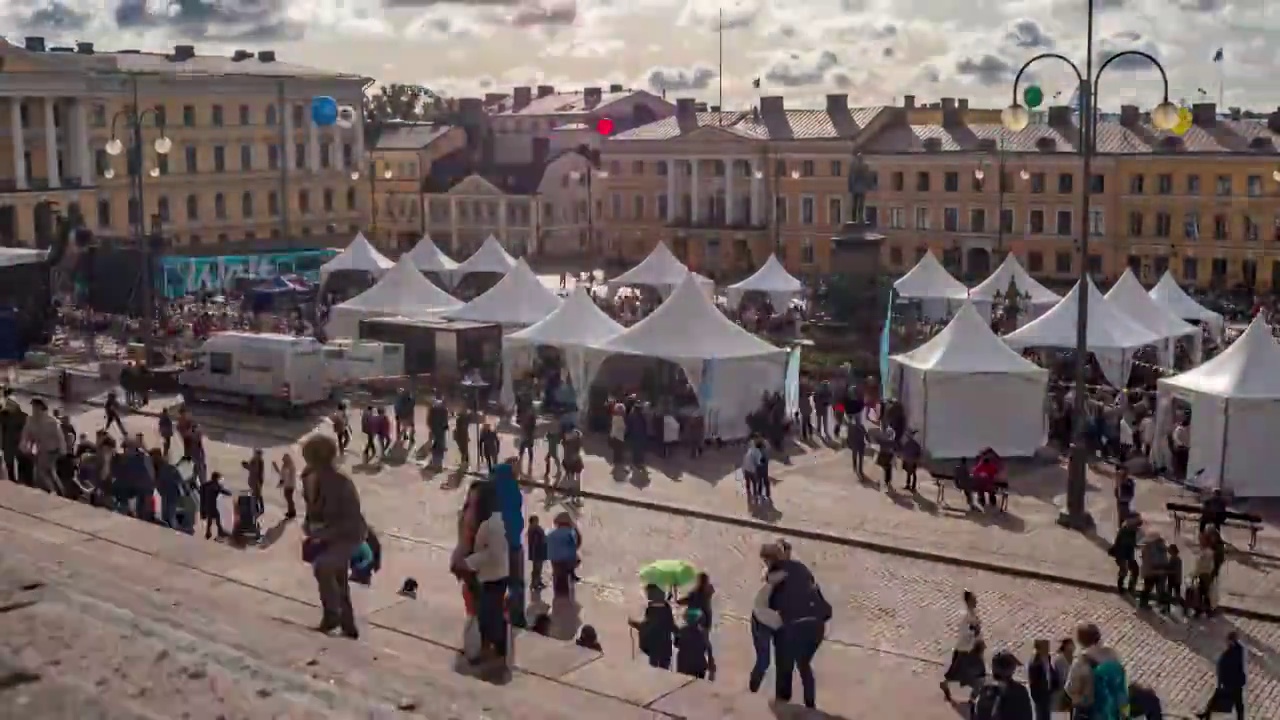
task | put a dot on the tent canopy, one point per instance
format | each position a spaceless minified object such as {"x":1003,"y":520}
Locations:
{"x":661,"y":270}
{"x":1177,"y":301}
{"x":429,"y":258}
{"x":403,"y":291}
{"x":929,"y":280}
{"x":1108,"y":327}
{"x":519,"y":298}
{"x":1012,"y":271}
{"x":578,"y":322}
{"x":967,"y":345}
{"x":772,"y":277}
{"x":1132,"y":299}
{"x":1248,"y":368}
{"x":490,"y":258}
{"x":688,"y":326}
{"x":360,"y":255}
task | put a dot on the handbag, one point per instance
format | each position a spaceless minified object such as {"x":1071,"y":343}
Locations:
{"x":311,"y":550}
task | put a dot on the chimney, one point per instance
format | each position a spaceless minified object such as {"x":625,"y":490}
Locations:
{"x":267,"y":56}
{"x":952,"y":116}
{"x":84,"y":48}
{"x":615,"y":88}
{"x":34,"y":43}
{"x":686,"y":108}
{"x":700,"y":106}
{"x":493,"y":98}
{"x":772,"y":105}
{"x":837,"y":104}
{"x":948,"y":103}
{"x":471,"y":110}
{"x":183,"y":52}
{"x":591,"y":97}
{"x":1204,"y":114}
{"x":1060,"y":115}
{"x":909,"y":102}
{"x":241,"y":56}
{"x":546,"y":90}
{"x":962,"y":104}
{"x":1130,"y":115}
{"x":520,"y":98}
{"x":1236,"y":113}
{"x":715,"y":108}
{"x":1273,"y":121}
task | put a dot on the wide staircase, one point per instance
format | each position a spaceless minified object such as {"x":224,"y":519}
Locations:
{"x":103,"y":616}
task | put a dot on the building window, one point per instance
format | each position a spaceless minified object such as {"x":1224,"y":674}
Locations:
{"x":1035,"y":222}
{"x":922,"y":218}
{"x":951,"y":182}
{"x":104,"y":212}
{"x":101,"y":161}
{"x":1095,"y":264}
{"x":837,"y":168}
{"x":193,"y":207}
{"x":244,"y":115}
{"x":188,"y":115}
{"x":1097,"y":221}
{"x":637,"y":206}
{"x":1191,"y":226}
{"x":326,"y":152}
{"x":162,"y":163}
{"x":1193,"y":184}
{"x":779,"y":210}
{"x":327,"y":200}
{"x":1164,"y":184}
{"x":298,"y":120}
{"x":271,"y":115}
{"x":1065,"y":183}
{"x":779,"y":168}
{"x":1223,"y":186}
{"x":299,"y":156}
{"x":1097,"y":184}
{"x":1062,"y":262}
{"x":246,"y":204}
{"x":1221,"y":227}
{"x":1251,"y":231}
{"x":835,"y":211}
{"x":1037,"y":183}
{"x":1006,"y":220}
{"x":1254,"y":185}
{"x":869,"y":216}
{"x":806,"y":251}
{"x":897,"y":219}
{"x":1137,"y":184}
{"x":351,"y":198}
{"x":216,"y":115}
{"x":1189,"y":269}
{"x":1163,"y":223}
{"x":273,"y":157}
{"x":898,"y":181}
{"x":304,"y":202}
{"x":951,"y":219}
{"x":219,"y":158}
{"x":1135,"y":223}
{"x":895,"y":256}
{"x":220,"y":206}
{"x":807,"y":169}
{"x":273,"y":204}
{"x":162,"y":208}
{"x":922,"y":182}
{"x":98,"y":116}
{"x":193,"y":159}
{"x":806,"y":210}
{"x":1035,"y":261}
{"x":246,"y":157}
{"x":1063,"y":226}
{"x":977,"y":220}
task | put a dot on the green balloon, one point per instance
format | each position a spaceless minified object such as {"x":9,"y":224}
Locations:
{"x":1033,"y":96}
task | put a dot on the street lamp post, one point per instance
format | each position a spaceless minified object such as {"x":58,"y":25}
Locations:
{"x":1016,"y":118}
{"x":979,"y":174}
{"x":134,"y":119}
{"x":371,"y":164}
{"x":586,"y":176}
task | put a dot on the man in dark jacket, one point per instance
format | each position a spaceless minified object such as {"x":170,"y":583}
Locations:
{"x":12,"y":420}
{"x":1003,"y":697}
{"x":169,"y":486}
{"x":1229,"y":695}
{"x":334,"y":527}
{"x":798,"y":600}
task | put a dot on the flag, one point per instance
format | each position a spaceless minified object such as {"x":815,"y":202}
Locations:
{"x":884,"y":343}
{"x":755,"y":83}
{"x":1218,"y":56}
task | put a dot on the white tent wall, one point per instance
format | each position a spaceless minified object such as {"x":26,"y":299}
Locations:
{"x":733,"y":389}
{"x":518,"y":358}
{"x":1231,"y":440}
{"x":959,"y":414}
{"x":345,"y":322}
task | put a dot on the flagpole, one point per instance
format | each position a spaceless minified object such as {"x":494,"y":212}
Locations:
{"x":1221,"y":92}
{"x":720,"y":68}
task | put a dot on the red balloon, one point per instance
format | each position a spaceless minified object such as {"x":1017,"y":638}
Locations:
{"x":604,"y":126}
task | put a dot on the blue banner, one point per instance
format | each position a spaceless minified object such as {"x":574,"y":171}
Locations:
{"x":186,"y":275}
{"x":884,"y":343}
{"x":791,"y":382}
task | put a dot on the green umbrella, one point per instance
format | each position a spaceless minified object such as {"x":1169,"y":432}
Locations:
{"x":668,"y":573}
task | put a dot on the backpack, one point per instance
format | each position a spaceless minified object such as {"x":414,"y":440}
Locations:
{"x":986,"y":706}
{"x":1110,"y":690}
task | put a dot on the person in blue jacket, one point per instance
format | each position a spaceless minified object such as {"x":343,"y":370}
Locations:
{"x":511,"y":502}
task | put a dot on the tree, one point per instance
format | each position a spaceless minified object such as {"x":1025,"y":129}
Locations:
{"x":399,"y":102}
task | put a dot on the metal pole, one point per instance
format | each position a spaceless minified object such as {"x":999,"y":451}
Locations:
{"x":1000,"y":190}
{"x":283,"y":157}
{"x":137,"y":151}
{"x":1077,"y":514}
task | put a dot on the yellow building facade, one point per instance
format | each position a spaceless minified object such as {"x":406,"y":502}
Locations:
{"x":400,"y":162}
{"x":245,"y":167}
{"x":726,"y":189}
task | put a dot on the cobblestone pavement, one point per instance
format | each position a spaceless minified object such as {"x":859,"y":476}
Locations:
{"x":891,"y":605}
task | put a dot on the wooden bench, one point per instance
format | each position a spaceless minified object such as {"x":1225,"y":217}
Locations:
{"x":941,"y":481}
{"x":1231,"y":518}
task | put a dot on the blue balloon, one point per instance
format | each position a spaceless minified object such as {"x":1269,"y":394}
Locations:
{"x":324,"y":110}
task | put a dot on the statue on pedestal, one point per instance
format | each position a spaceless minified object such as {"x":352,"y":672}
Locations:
{"x":860,"y":181}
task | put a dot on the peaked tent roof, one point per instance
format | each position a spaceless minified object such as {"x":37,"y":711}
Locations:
{"x":1131,"y":298}
{"x":688,"y":326}
{"x":359,"y":255}
{"x":491,"y":258}
{"x":1011,"y":269}
{"x":1168,"y":293}
{"x":660,"y":269}
{"x":429,"y":258}
{"x":771,"y":277}
{"x":928,"y":279}
{"x":404,"y":290}
{"x":1248,"y":368}
{"x":1108,"y":329}
{"x":577,"y":322}
{"x":519,"y":298}
{"x":967,"y":345}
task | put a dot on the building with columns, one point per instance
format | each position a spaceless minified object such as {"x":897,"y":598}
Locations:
{"x":245,"y":165}
{"x":725,"y":189}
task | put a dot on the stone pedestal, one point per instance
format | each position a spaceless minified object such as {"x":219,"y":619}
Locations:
{"x":855,"y":251}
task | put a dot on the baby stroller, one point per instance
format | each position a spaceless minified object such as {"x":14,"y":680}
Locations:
{"x":245,"y":529}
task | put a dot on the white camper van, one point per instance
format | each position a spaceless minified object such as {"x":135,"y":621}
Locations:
{"x":264,"y":371}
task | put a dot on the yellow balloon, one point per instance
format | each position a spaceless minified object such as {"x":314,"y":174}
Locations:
{"x":1184,"y":122}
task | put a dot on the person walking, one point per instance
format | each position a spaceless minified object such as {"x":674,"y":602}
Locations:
{"x":856,"y":438}
{"x":751,"y":466}
{"x":765,"y":621}
{"x":1096,"y":684}
{"x":490,"y":561}
{"x":571,"y":481}
{"x":288,"y":484}
{"x":1123,"y":551}
{"x":798,"y":600}
{"x":42,"y":440}
{"x":1229,"y":693}
{"x":256,"y":466}
{"x":334,"y":528}
{"x":967,"y":667}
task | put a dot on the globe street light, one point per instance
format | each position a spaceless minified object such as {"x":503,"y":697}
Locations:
{"x":1016,"y":117}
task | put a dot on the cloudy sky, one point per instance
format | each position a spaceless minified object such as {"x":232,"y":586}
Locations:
{"x":875,"y":50}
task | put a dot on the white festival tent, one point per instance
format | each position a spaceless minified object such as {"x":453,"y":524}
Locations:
{"x":359,"y":255}
{"x":490,"y":258}
{"x":966,"y":390}
{"x":1112,"y":335}
{"x":574,"y":326}
{"x":662,"y":271}
{"x":429,"y":258}
{"x":1235,"y":408}
{"x":930,"y":283}
{"x":1168,"y":293}
{"x":403,"y":292}
{"x":1131,"y":298}
{"x":517,"y":301}
{"x":728,"y":367}
{"x":1038,"y":297}
{"x":772,"y":278}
